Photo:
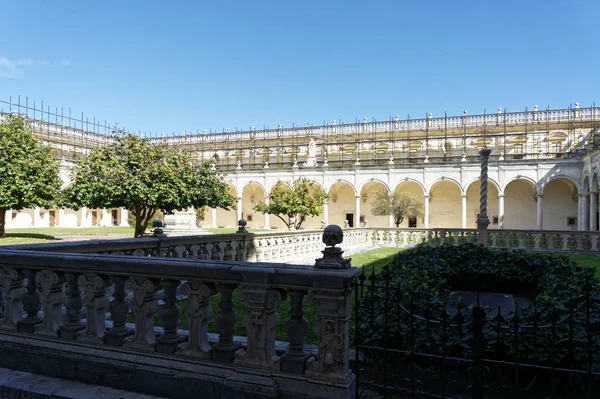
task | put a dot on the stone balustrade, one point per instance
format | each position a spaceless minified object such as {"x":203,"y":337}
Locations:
{"x":45,"y":292}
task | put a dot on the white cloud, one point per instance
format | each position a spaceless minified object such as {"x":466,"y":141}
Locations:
{"x":14,"y":69}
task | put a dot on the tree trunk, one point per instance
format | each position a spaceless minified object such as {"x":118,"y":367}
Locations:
{"x":138,"y":224}
{"x":2,"y":221}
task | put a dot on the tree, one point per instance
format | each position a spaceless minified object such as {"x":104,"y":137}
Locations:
{"x":143,"y":177}
{"x":398,"y":204}
{"x":28,"y":169}
{"x":304,"y":198}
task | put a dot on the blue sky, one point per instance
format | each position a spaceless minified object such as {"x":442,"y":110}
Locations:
{"x":175,"y":65}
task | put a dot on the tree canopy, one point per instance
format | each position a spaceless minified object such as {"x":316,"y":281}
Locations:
{"x":398,"y":204}
{"x":28,"y":169}
{"x":303,"y":198}
{"x":143,"y":177}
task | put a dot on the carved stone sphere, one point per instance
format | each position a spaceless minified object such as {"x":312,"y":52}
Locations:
{"x":157,"y":223}
{"x":333,"y":235}
{"x":242,"y":223}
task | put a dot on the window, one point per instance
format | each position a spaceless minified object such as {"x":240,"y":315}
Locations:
{"x":412,"y":221}
{"x":249,"y":218}
{"x":362,"y":219}
{"x":495,"y":220}
{"x":571,"y":221}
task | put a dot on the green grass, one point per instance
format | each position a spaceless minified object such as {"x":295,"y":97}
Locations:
{"x":586,"y":260}
{"x":229,"y":230}
{"x":49,"y":234}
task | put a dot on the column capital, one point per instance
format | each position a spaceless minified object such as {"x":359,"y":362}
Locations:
{"x":500,"y":195}
{"x":593,"y":192}
{"x":582,"y":195}
{"x":426,"y":196}
{"x":463,"y":195}
{"x":239,"y":198}
{"x":539,"y":195}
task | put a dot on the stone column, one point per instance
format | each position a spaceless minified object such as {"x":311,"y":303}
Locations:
{"x":226,"y":318}
{"x":239,"y":208}
{"x":83,"y":216}
{"x":213,"y":217}
{"x":583,"y":212}
{"x":593,"y":210}
{"x":143,"y":306}
{"x":73,"y":306}
{"x":119,"y":309}
{"x":391,"y":224}
{"x":463,"y":212}
{"x":426,"y":215}
{"x":501,"y":211}
{"x":95,"y":302}
{"x":293,"y":361}
{"x":326,"y":212}
{"x":106,"y":218}
{"x":31,"y":305}
{"x":483,"y":221}
{"x":357,"y":207}
{"x":169,"y":313}
{"x":540,"y":212}
{"x":36,"y":217}
{"x":61,"y":217}
{"x":8,"y":219}
{"x":267,"y":223}
{"x":124,"y":217}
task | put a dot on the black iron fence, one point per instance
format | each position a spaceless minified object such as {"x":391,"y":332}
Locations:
{"x":409,"y":348}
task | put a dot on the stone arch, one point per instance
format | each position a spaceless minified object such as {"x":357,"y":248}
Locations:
{"x":252,"y":182}
{"x":520,"y":203}
{"x":417,"y":189}
{"x":253,"y":193}
{"x":445,"y":204}
{"x":544,"y":182}
{"x":442,"y":179}
{"x":522,"y":178}
{"x":595,"y":181}
{"x":342,"y":181}
{"x":560,"y":204}
{"x":373,"y":180}
{"x":473,"y":195}
{"x":341,"y":203}
{"x":368,"y":193}
{"x":490,"y":183}
{"x":407,"y":180}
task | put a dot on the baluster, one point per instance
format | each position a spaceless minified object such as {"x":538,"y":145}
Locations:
{"x":199,"y":312}
{"x":226,"y":318}
{"x":260,"y":319}
{"x":143,"y":306}
{"x":119,"y":308}
{"x":31,"y":305}
{"x":11,"y":282}
{"x":53,"y":296}
{"x":169,"y":313}
{"x":95,"y":302}
{"x":293,"y":361}
{"x":73,"y":305}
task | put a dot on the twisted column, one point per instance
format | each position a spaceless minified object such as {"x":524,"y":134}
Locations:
{"x":483,"y":221}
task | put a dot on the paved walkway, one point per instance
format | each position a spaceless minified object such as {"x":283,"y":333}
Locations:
{"x":21,"y":385}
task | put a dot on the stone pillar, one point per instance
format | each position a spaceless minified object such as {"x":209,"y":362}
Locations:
{"x":426,"y":215}
{"x":226,"y":318}
{"x":501,"y":211}
{"x":31,"y":305}
{"x":239,"y":208}
{"x":124,"y":217}
{"x":12,"y":288}
{"x":540,"y":212}
{"x":593,"y":210}
{"x":36,"y":217}
{"x":267,"y":223}
{"x":483,"y":221}
{"x":83,"y":216}
{"x":583,"y":211}
{"x":357,"y":210}
{"x":143,"y":306}
{"x":8,"y":219}
{"x":61,"y":217}
{"x":169,"y":313}
{"x":53,"y":297}
{"x":391,"y":224}
{"x":326,"y":212}
{"x":463,"y":212}
{"x":73,"y":306}
{"x":106,"y":218}
{"x":119,"y":309}
{"x":213,"y":217}
{"x":95,"y":302}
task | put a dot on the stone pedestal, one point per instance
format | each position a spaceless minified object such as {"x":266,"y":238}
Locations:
{"x":181,"y":223}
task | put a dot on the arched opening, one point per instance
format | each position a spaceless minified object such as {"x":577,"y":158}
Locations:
{"x":416,"y":190}
{"x":560,"y":205}
{"x":342,"y":204}
{"x":223,"y":218}
{"x":368,"y":193}
{"x":445,"y":205}
{"x":473,"y":196}
{"x":594,"y":219}
{"x":251,"y":195}
{"x":520,"y":205}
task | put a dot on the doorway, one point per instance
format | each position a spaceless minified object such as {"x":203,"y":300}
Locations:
{"x":350,"y":219}
{"x":52,"y":214}
{"x":114,"y":213}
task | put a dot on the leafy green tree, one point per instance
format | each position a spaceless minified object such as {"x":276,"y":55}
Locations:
{"x":304,"y":198}
{"x":398,"y":204}
{"x":28,"y":169}
{"x":143,"y":178}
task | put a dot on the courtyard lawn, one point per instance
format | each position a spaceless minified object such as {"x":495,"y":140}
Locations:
{"x":49,"y":234}
{"x":229,"y":230}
